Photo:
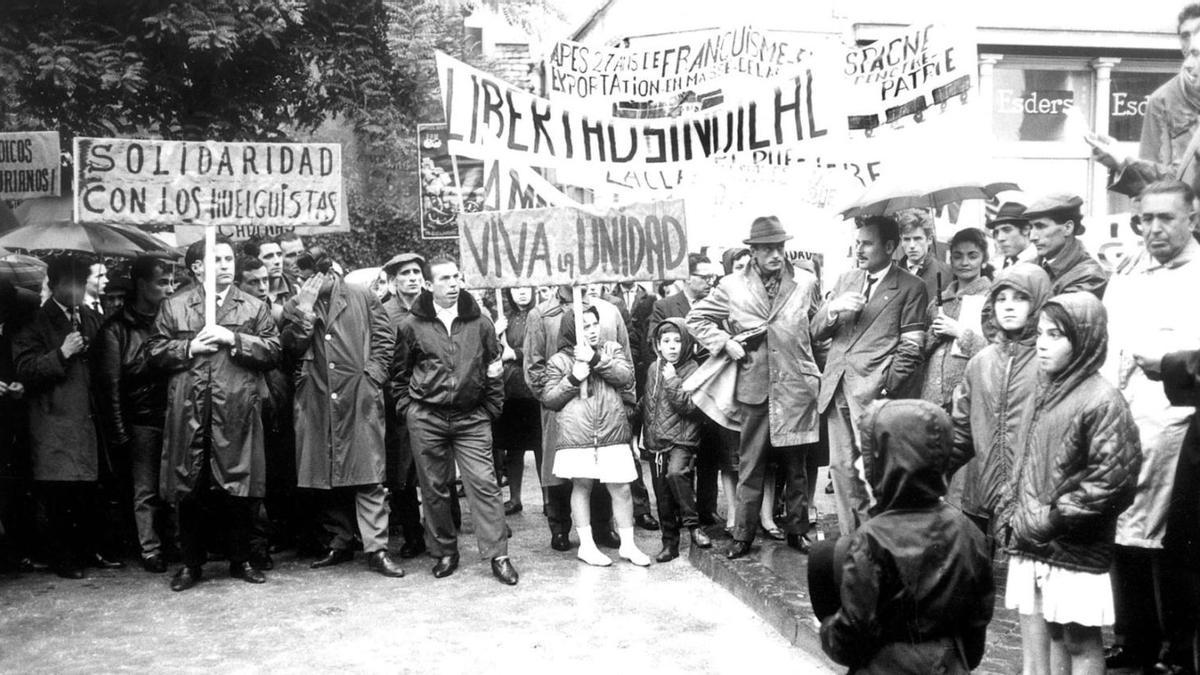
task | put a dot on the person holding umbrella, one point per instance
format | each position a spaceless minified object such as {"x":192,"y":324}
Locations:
{"x":52,"y":360}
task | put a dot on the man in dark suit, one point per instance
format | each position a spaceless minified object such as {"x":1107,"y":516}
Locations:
{"x":876,"y":319}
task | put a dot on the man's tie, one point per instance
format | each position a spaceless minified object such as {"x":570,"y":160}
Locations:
{"x":870,"y":284}
{"x":75,"y":322}
{"x":1009,"y":261}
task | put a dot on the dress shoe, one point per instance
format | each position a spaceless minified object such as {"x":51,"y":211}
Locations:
{"x":246,"y":572}
{"x":28,"y":564}
{"x":412,"y":547}
{"x":606,"y":537}
{"x":560,"y":541}
{"x":262,"y":561}
{"x":503,"y":570}
{"x":381,"y":562}
{"x":738,"y":549}
{"x":154,"y":563}
{"x":669,"y":552}
{"x":185,"y":578}
{"x":1117,"y":657}
{"x":700,"y":539}
{"x":69,"y":572}
{"x":513,"y":508}
{"x":98,"y":560}
{"x":335,"y":556}
{"x":646,"y":522}
{"x":1163,"y":668}
{"x":445,"y":566}
{"x":773,"y":533}
{"x":798,"y":542}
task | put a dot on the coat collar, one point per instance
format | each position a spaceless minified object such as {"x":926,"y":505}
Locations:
{"x":1071,"y":255}
{"x":467,"y":307}
{"x":889,"y":285}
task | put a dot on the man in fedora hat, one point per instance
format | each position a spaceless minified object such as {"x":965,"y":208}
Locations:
{"x":1010,"y":229}
{"x":760,"y":317}
{"x":1055,"y":223}
{"x":876,"y":320}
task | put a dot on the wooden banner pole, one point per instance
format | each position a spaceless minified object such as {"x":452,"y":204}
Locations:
{"x":210,"y":276}
{"x":577,"y":306}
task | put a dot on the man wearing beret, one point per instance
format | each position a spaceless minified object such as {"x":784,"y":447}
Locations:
{"x":1055,"y":222}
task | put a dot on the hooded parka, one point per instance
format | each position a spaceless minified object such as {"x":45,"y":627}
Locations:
{"x":917,"y":590}
{"x":991,"y":399}
{"x":1078,"y":467}
{"x":669,"y":416}
{"x":599,"y":419}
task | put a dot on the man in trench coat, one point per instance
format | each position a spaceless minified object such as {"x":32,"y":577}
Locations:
{"x":341,"y":338}
{"x":777,"y":376}
{"x":213,"y":437}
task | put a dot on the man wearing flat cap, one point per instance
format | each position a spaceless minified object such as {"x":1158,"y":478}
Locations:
{"x":1055,"y":222}
{"x":1010,"y":229}
{"x":406,"y":279}
{"x":760,"y":318}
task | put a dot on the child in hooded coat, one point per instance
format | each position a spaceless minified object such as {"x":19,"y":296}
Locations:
{"x":916,"y":587}
{"x":672,"y":432}
{"x":1075,"y":472}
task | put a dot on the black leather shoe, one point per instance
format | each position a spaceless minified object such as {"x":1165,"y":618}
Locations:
{"x":412,"y":547}
{"x":560,"y":541}
{"x":607,"y":538}
{"x":1118,"y":657}
{"x":154,"y":563}
{"x":246,"y":572}
{"x":646,"y":522}
{"x":98,"y":560}
{"x":381,"y":562}
{"x":335,"y":556}
{"x":512,"y":508}
{"x":502,"y":569}
{"x":28,"y":564}
{"x":700,"y":539}
{"x":262,"y":561}
{"x":669,"y":552}
{"x":185,"y":578}
{"x":68,"y":572}
{"x":798,"y":542}
{"x":739,"y":549}
{"x":445,"y":566}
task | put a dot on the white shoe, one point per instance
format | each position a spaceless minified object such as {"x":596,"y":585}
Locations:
{"x":634,"y":555}
{"x":593,"y":556}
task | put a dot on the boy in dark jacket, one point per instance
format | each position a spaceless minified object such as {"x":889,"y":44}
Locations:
{"x":916,"y":588}
{"x":672,"y":432}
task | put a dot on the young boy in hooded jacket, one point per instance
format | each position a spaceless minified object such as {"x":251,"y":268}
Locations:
{"x":671,"y":430}
{"x":916,"y":585}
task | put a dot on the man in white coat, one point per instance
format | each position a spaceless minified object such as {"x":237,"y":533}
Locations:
{"x":1145,"y":318}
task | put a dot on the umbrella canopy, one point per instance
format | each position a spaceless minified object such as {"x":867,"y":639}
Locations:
{"x":8,"y":221}
{"x":150,"y":244}
{"x":25,"y":271}
{"x":932,"y":188}
{"x":47,"y":224}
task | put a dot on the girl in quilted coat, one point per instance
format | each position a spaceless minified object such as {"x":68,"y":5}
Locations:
{"x":584,"y":384}
{"x":1075,"y":473}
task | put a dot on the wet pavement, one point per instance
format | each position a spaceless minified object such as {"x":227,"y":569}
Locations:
{"x":562,"y":616}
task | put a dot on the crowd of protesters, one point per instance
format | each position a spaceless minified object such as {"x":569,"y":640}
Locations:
{"x":1012,"y":401}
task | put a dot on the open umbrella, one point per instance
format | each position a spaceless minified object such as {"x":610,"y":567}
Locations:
{"x":47,"y":224}
{"x":920,"y":188}
{"x":149,"y":243}
{"x":8,"y":221}
{"x":25,"y":271}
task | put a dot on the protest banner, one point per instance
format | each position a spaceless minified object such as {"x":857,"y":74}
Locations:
{"x":538,"y":132}
{"x":156,"y":182}
{"x":556,"y":246}
{"x":678,"y":69}
{"x":912,"y":72}
{"x":29,"y":164}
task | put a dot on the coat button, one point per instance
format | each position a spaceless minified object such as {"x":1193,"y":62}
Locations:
{"x":331,"y":365}
{"x":328,"y":337}
{"x":333,"y":396}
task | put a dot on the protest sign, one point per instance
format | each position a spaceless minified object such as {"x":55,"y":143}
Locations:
{"x":555,"y":246}
{"x":675,"y":69}
{"x":29,"y":164}
{"x":910,"y":73}
{"x":534,"y":131}
{"x":144,"y":182}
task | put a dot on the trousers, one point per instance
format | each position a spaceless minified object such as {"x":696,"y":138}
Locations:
{"x":442,"y":438}
{"x":753,"y":452}
{"x":236,"y":514}
{"x":370,"y":505}
{"x":673,"y":472}
{"x":849,"y":491}
{"x":149,"y":509}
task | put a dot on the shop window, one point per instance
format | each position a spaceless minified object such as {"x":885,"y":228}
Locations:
{"x":1030,"y":104}
{"x":1127,"y":102}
